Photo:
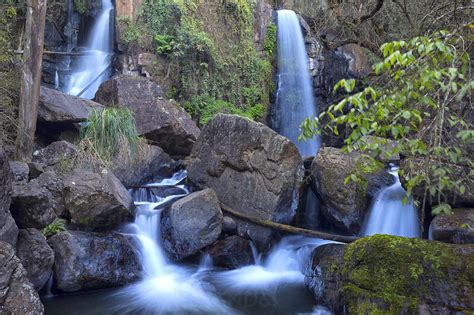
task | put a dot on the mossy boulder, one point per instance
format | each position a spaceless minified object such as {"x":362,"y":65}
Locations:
{"x":393,"y":275}
{"x":344,"y":204}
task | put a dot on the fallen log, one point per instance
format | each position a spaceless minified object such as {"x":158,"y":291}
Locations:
{"x":289,"y":228}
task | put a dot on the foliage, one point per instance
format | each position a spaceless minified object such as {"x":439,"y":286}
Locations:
{"x":55,"y":227}
{"x":420,"y":98}
{"x":204,"y":107}
{"x":164,"y":44}
{"x":130,"y":31}
{"x":80,"y":6}
{"x":271,"y":39}
{"x":108,"y":131}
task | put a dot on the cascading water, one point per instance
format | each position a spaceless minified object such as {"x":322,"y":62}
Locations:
{"x":388,"y":214}
{"x":295,"y":98}
{"x":94,"y":67}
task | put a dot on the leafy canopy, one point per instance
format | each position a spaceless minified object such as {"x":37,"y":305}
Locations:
{"x":420,"y":97}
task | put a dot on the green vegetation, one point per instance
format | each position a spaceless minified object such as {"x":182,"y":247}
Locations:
{"x":55,"y":227}
{"x":80,"y":6}
{"x":212,"y":55}
{"x":388,"y":274}
{"x":110,"y":132}
{"x":420,"y":98}
{"x":130,"y":32}
{"x":271,"y":39}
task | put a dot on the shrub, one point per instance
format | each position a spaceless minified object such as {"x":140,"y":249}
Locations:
{"x":55,"y":227}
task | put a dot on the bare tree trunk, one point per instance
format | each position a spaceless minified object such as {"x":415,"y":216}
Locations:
{"x":31,"y":78}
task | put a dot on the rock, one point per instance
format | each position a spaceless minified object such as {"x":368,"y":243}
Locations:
{"x":20,"y":171}
{"x":393,"y":275}
{"x":160,"y":121}
{"x":32,"y":205}
{"x":251,"y":168}
{"x":191,"y":223}
{"x":96,"y":202}
{"x":229,"y":225}
{"x":262,"y":17}
{"x":54,"y":184}
{"x":344,"y":205}
{"x":17,"y":294}
{"x":36,"y":256}
{"x":454,"y":228}
{"x":8,"y":228}
{"x":151,"y":163}
{"x":232,"y":252}
{"x":56,"y":153}
{"x":85,"y":260}
{"x":35,"y":170}
{"x":58,"y":107}
{"x":359,"y":65}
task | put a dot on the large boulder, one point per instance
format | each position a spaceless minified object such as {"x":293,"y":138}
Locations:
{"x":231,"y":252}
{"x":85,"y":260}
{"x":17,"y":294}
{"x":345,"y":204}
{"x":57,"y":107}
{"x":36,"y":256}
{"x":251,"y":168}
{"x":32,"y":205}
{"x":393,"y":275}
{"x":161,"y":121}
{"x":96,"y":201}
{"x":150,"y":163}
{"x":8,"y":228}
{"x":57,"y":153}
{"x":454,"y":228}
{"x":191,"y":224}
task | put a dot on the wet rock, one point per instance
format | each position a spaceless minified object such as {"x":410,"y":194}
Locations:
{"x":96,"y":202}
{"x":251,"y":168}
{"x":36,"y":256}
{"x":232,"y":252}
{"x":85,"y":260}
{"x":57,"y":153}
{"x":160,"y":121}
{"x":8,"y":228}
{"x":454,"y":228}
{"x":17,"y":294}
{"x":229,"y":225}
{"x":345,"y":205}
{"x":191,"y":223}
{"x":151,"y":163}
{"x":58,"y":107}
{"x":389,"y":274}
{"x":32,"y":205}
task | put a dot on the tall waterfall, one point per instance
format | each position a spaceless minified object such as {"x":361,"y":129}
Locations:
{"x":295,"y":99}
{"x":388,"y":214}
{"x":94,"y":68}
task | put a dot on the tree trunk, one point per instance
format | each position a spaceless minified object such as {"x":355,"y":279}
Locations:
{"x":31,"y":78}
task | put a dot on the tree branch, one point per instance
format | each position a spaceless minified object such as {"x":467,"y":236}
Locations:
{"x":372,"y":13}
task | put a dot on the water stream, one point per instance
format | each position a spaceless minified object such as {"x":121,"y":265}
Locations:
{"x":94,"y":67}
{"x":389,"y":215}
{"x":295,"y":94}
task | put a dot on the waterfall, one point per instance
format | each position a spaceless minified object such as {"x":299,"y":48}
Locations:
{"x":388,"y":214}
{"x":94,"y":67}
{"x":294,"y":99}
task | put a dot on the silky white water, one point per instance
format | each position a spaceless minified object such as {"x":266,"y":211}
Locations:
{"x":93,"y":68}
{"x":295,"y":98}
{"x":388,"y":214}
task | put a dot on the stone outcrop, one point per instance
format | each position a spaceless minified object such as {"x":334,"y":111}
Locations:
{"x":96,"y":201}
{"x":17,"y":294}
{"x":454,"y":228}
{"x":36,"y":256}
{"x":56,"y":153}
{"x":344,"y":205}
{"x":232,"y":252}
{"x":8,"y":228}
{"x":251,"y":168}
{"x":58,"y":107}
{"x":191,"y":224}
{"x":393,"y":275}
{"x":93,"y":261}
{"x":160,"y":121}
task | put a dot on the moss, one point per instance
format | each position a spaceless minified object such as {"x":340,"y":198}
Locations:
{"x":392,"y":273}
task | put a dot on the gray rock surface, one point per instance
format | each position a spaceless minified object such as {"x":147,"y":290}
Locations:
{"x":454,"y":228}
{"x":191,"y":224}
{"x":8,"y":228}
{"x":232,"y":252}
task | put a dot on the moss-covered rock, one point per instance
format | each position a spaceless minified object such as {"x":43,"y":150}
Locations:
{"x":393,"y":275}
